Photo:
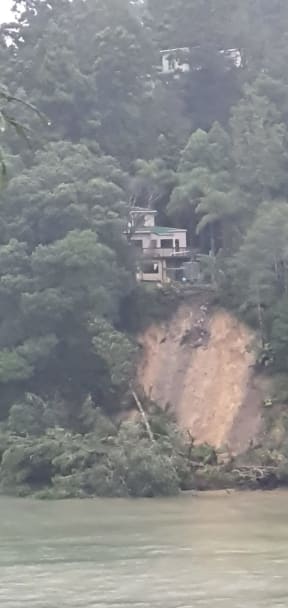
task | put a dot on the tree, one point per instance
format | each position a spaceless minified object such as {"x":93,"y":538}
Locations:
{"x":261,"y":263}
{"x":151,"y":185}
{"x":69,"y":187}
{"x":205,"y":189}
{"x":263,"y":254}
{"x":87,"y":67}
{"x":9,"y":120}
{"x":260,"y":145}
{"x":214,"y":82}
{"x":64,"y":263}
{"x":119,"y":136}
{"x":45,"y":329}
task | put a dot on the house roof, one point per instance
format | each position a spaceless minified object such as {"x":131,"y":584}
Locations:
{"x":159,"y":230}
{"x":143,"y":210}
{"x":185,"y":49}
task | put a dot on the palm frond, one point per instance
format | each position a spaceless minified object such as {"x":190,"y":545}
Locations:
{"x":8,"y":98}
{"x":7,"y":119}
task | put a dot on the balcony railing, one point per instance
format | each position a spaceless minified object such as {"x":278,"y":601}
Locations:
{"x":171,"y":252}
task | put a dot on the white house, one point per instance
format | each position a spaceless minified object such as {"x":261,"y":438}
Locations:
{"x":161,"y":250}
{"x":176,"y":61}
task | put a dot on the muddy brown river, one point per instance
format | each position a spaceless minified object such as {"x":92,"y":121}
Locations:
{"x":216,"y":551}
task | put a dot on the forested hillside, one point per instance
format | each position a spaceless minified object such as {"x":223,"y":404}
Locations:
{"x":208,"y":148}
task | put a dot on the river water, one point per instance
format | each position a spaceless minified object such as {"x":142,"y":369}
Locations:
{"x":226,"y":551}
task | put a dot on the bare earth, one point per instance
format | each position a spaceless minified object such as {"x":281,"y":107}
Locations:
{"x":201,"y":364}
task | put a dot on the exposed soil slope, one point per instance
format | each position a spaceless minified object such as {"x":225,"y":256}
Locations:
{"x":201,"y":364}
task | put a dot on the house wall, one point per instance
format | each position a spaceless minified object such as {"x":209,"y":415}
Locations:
{"x":143,"y":218}
{"x":159,"y":277}
{"x":180,"y":236}
{"x":152,"y":242}
{"x":147,"y":239}
{"x":171,"y":64}
{"x":144,"y":237}
{"x":149,"y":219}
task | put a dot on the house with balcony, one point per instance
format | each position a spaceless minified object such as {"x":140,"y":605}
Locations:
{"x":160,"y":251}
{"x":175,"y":62}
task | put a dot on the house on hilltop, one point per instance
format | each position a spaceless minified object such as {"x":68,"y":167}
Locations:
{"x":161,"y":251}
{"x":179,"y":60}
{"x":175,"y":60}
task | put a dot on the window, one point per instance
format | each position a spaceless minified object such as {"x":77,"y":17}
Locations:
{"x":138,"y":243}
{"x":166,"y":243}
{"x":150,"y":268}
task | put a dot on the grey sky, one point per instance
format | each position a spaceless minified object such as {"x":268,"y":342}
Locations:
{"x":5,"y":6}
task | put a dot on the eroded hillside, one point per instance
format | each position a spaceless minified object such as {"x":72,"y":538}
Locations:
{"x":201,"y":364}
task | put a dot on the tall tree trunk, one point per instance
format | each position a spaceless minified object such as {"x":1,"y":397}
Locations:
{"x":143,"y":416}
{"x":260,"y":316}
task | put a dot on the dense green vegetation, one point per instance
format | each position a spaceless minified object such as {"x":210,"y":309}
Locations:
{"x":103,"y":458}
{"x":208,"y":149}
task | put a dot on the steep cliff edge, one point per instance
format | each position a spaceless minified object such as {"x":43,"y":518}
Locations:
{"x":201,"y":365}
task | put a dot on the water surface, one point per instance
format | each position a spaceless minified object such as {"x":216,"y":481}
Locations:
{"x":226,"y":551}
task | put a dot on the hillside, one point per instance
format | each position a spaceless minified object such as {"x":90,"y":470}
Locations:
{"x":201,"y":364}
{"x":120,"y":115}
